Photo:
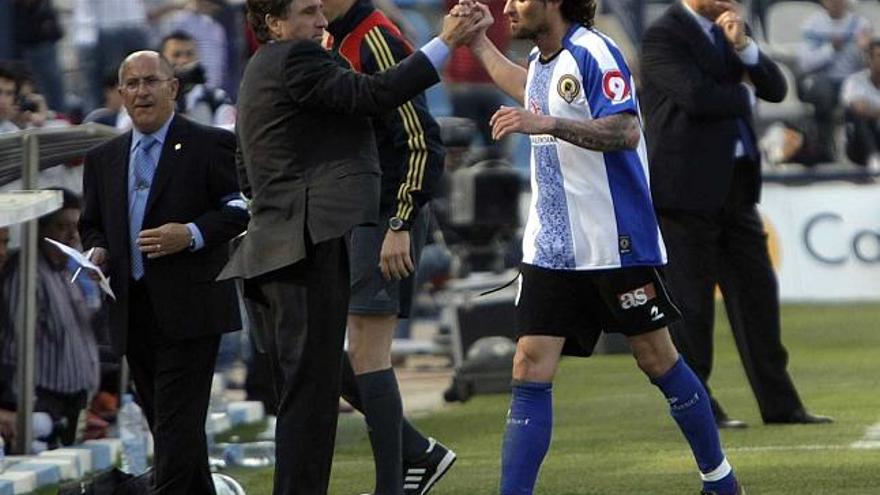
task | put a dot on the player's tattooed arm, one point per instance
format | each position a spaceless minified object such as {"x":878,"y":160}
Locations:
{"x":613,"y":133}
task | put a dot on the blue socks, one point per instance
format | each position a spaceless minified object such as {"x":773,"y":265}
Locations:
{"x":689,"y":406}
{"x":527,"y":438}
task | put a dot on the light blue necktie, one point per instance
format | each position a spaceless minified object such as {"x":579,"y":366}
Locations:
{"x":143,"y":167}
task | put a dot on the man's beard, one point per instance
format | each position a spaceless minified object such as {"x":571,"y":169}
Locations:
{"x":523,"y":33}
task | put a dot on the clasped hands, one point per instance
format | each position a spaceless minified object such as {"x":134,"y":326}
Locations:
{"x":467,"y":19}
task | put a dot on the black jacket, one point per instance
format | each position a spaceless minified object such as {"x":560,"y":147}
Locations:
{"x":195,"y":174}
{"x":691,"y":98}
{"x":408,"y":137}
{"x":308,"y":156}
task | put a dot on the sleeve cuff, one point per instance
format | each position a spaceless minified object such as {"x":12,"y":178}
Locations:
{"x":750,"y":54}
{"x":198,"y":241}
{"x":437,"y":52}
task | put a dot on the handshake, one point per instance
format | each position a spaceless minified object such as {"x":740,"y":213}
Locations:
{"x":465,"y":21}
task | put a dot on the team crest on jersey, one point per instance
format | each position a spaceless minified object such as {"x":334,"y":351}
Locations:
{"x":615,"y":86}
{"x":568,"y":88}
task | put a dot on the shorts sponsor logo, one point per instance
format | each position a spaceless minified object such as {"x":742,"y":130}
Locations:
{"x":637,"y":297}
{"x":656,"y":314}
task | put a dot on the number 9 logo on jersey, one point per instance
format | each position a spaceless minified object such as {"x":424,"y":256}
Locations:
{"x":615,"y":86}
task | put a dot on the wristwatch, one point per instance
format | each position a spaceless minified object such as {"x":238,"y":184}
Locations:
{"x":397,"y":224}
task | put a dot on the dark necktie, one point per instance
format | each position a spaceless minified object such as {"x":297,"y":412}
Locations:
{"x":745,"y":135}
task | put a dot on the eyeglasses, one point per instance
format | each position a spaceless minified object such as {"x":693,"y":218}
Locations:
{"x":151,"y":83}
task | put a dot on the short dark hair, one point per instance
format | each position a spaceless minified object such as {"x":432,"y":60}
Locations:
{"x":69,"y":201}
{"x":875,"y":44}
{"x":10,"y":74}
{"x":257,"y":10}
{"x":178,"y":35}
{"x":580,"y":11}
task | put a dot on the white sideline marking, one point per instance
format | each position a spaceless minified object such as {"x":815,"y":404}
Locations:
{"x":773,"y":448}
{"x":871,"y":441}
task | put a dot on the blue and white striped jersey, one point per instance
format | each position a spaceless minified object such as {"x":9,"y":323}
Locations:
{"x":589,"y":210}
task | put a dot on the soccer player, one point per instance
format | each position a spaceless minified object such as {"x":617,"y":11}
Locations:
{"x":592,"y":249}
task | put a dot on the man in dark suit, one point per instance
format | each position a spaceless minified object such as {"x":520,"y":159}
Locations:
{"x":701,"y":75}
{"x":310,"y":165}
{"x":159,"y":208}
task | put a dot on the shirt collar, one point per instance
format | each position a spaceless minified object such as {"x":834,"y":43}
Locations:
{"x":345,"y":24}
{"x":159,"y":135}
{"x":705,"y":24}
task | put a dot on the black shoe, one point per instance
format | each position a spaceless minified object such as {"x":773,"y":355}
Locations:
{"x":420,"y":477}
{"x":733,"y":424}
{"x":739,"y":491}
{"x":722,"y":420}
{"x":799,"y":417}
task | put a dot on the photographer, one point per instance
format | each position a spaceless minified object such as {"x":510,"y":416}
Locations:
{"x":202,"y":103}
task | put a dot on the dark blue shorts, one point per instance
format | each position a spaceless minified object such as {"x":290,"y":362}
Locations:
{"x":371,"y":294}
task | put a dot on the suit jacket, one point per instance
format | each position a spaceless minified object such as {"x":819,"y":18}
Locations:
{"x":308,"y":153}
{"x":195,"y":173}
{"x":692,"y":98}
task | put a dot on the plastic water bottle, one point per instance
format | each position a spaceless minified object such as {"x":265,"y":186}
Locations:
{"x":133,"y":433}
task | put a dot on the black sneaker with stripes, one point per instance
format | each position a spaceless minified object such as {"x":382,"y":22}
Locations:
{"x":419,"y":477}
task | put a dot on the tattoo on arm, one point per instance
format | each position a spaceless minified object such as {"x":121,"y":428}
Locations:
{"x":613,"y":133}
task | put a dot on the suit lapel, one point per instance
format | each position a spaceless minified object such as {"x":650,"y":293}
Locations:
{"x":170,"y":160}
{"x":703,"y":49}
{"x":117,"y":178}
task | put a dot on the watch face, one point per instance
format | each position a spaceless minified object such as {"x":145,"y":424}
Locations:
{"x":395,"y":223}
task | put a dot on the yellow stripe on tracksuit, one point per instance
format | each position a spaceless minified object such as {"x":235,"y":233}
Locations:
{"x":418,"y":150}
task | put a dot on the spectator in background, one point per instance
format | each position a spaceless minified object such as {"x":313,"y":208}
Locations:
{"x":112,"y":113}
{"x":833,"y":47}
{"x":473,"y":94}
{"x":197,"y":20}
{"x":8,"y":94}
{"x":198,"y":101}
{"x":33,"y":110}
{"x":36,"y":33}
{"x":861,"y":100}
{"x":105,"y":32}
{"x":66,"y":352}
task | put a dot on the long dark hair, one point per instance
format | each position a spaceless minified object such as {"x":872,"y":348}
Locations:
{"x":579,"y":11}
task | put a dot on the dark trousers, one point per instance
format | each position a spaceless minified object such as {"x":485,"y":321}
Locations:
{"x":173,"y":382}
{"x":302,"y":313}
{"x":862,"y":138}
{"x":824,"y":93}
{"x":729,"y":248}
{"x":64,"y":410}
